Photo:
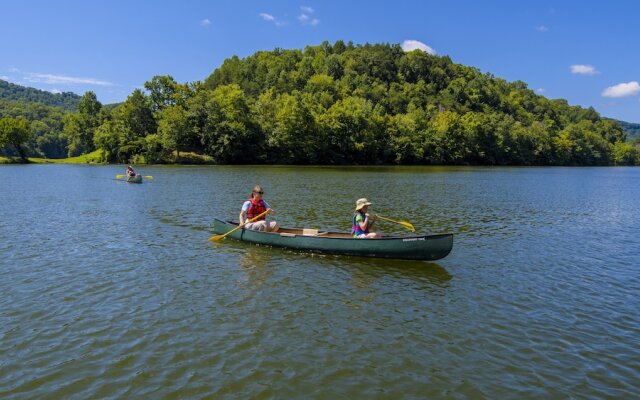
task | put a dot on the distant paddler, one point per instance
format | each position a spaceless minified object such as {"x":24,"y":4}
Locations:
{"x":130,"y":175}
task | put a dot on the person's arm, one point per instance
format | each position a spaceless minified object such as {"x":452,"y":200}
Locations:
{"x":268,"y":207}
{"x":371,"y":219}
{"x":243,"y":212}
{"x":362,"y":222}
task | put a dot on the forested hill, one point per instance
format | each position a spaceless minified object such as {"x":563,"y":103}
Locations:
{"x":66,"y":100}
{"x":335,"y":104}
{"x":342,"y":103}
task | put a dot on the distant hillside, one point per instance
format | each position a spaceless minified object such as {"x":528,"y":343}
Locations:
{"x":66,"y":100}
{"x":632,"y":130}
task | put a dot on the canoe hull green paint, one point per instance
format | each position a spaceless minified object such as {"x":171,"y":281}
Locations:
{"x":135,"y":179}
{"x":430,"y":247}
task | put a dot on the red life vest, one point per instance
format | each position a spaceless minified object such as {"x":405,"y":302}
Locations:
{"x":256,"y":208}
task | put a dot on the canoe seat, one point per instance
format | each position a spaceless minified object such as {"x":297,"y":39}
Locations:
{"x":309,"y":232}
{"x":287,"y":234}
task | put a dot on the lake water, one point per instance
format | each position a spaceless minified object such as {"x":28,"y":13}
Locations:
{"x":111,"y":290}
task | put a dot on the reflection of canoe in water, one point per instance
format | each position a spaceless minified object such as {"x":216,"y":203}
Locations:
{"x":430,"y":247}
{"x":135,"y":179}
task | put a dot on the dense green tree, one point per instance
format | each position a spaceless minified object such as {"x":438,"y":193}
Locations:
{"x":406,"y":138}
{"x":73,"y":132}
{"x":174,"y":129}
{"x":89,"y":107}
{"x":293,"y":138}
{"x":137,"y":116}
{"x":446,"y":142}
{"x":165,"y":92}
{"x":626,"y":154}
{"x":15,"y":132}
{"x":226,"y":130}
{"x":80,"y":127}
{"x":353,"y":132}
{"x":110,"y":136}
{"x":46,"y":127}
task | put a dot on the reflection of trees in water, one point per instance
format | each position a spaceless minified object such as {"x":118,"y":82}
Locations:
{"x":366,"y":272}
{"x":364,"y":291}
{"x":419,"y":271}
{"x":255,"y":261}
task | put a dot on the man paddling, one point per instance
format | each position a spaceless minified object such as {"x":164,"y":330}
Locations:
{"x":253,"y":208}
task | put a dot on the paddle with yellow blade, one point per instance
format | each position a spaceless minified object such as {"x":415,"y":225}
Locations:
{"x":403,"y":223}
{"x":120,"y":176}
{"x":218,"y":238}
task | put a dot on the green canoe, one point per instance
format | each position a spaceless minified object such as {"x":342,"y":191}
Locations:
{"x":430,"y":247}
{"x":135,"y":179}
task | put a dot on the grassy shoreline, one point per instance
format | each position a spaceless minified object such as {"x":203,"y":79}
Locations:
{"x":89,"y":158}
{"x":97,"y":157}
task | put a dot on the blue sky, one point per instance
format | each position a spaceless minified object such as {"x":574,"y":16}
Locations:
{"x":587,"y":52}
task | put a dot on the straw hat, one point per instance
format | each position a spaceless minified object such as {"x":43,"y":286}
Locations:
{"x":361,"y":203}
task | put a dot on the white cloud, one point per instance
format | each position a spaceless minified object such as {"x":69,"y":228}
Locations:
{"x":267,"y":17}
{"x":410,"y":45}
{"x":34,"y":77}
{"x":306,"y":20}
{"x":271,"y":18}
{"x":542,"y":28}
{"x":583,"y":69}
{"x":21,"y":77}
{"x":55,"y":91}
{"x":205,"y":22}
{"x":540,"y":90}
{"x":305,"y":17}
{"x":622,"y":90}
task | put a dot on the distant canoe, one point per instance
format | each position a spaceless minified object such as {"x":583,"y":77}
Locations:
{"x":135,"y":179}
{"x":430,"y":247}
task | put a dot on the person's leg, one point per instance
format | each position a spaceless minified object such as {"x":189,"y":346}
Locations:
{"x":261,"y":226}
{"x":256,"y":226}
{"x":273,"y":226}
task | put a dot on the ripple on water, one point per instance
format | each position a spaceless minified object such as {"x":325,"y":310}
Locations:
{"x":113,"y":291}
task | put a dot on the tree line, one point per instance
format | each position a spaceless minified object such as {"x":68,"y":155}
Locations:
{"x":66,"y":100}
{"x":345,"y":104}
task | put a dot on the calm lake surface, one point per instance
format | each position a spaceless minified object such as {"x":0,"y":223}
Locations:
{"x":111,"y":290}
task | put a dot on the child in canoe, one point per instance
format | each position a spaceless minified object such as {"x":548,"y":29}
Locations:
{"x":362,"y":221}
